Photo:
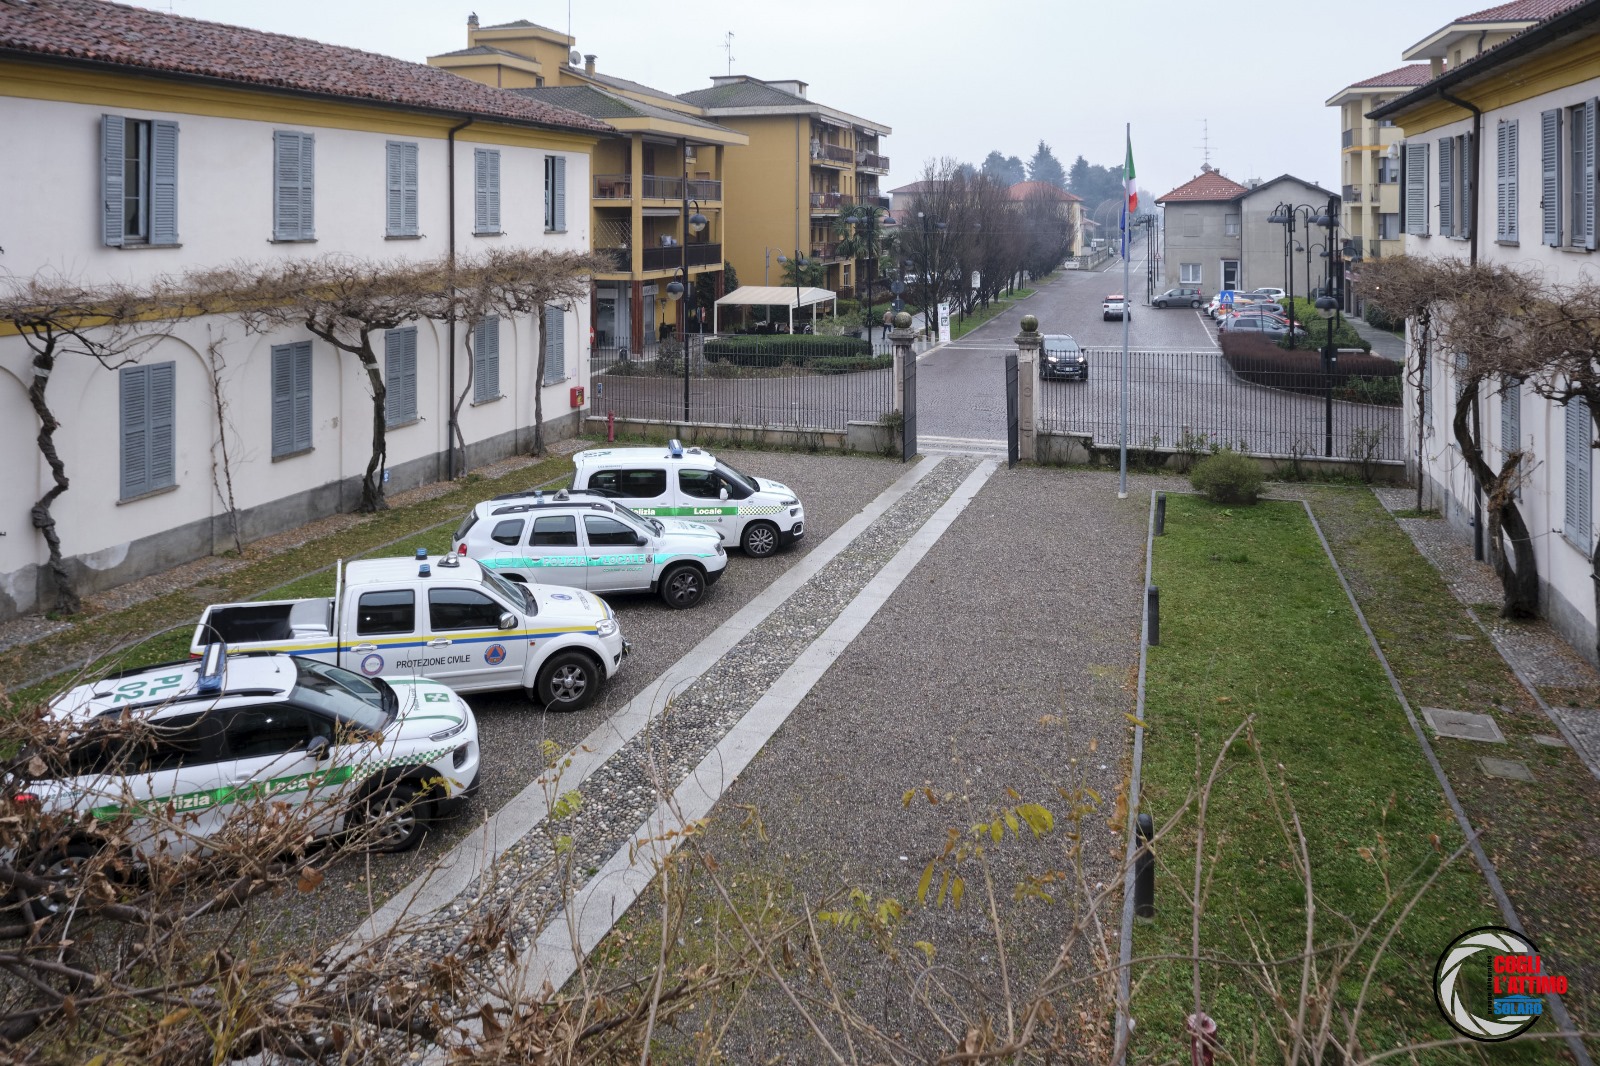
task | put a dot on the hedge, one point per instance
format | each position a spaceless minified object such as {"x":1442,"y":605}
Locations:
{"x":1314,"y":334}
{"x":785,"y":350}
{"x":1360,"y":378}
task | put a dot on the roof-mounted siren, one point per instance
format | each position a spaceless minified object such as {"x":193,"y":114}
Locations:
{"x":422,"y":554}
{"x":212,"y":663}
{"x":562,"y":495}
{"x":424,"y":570}
{"x":674,"y":448}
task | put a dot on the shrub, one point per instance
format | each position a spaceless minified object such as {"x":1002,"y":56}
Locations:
{"x":1316,"y":330}
{"x":784,"y":349}
{"x":1259,"y":360}
{"x":1384,"y":391}
{"x":1227,"y":476}
{"x":1381,"y":318}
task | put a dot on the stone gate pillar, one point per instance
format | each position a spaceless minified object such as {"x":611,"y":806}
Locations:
{"x":901,"y":336}
{"x":1028,"y":342}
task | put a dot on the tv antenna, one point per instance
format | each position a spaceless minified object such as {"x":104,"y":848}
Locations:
{"x":1205,"y":142}
{"x":727,"y":46}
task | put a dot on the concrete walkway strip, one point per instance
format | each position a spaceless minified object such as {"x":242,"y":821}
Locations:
{"x":456,"y":869}
{"x":574,"y":933}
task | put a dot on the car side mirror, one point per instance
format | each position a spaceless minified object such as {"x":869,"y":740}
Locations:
{"x":508,"y":620}
{"x":318,"y":748}
{"x":722,"y":493}
{"x":640,"y":539}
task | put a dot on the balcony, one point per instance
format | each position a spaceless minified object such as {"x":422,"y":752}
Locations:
{"x":872,"y":199}
{"x":653,"y":186}
{"x":673,"y":258}
{"x":1374,"y":249}
{"x":1347,"y":139}
{"x":826,"y":250}
{"x":872,"y":161}
{"x":833,"y":154}
{"x":613,"y":187}
{"x":657,"y":187}
{"x":1351,"y":194}
{"x":830,"y":202}
{"x":703,"y":189}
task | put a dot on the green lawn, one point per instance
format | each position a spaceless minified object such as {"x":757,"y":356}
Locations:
{"x":960,"y":327}
{"x":1254,"y":622}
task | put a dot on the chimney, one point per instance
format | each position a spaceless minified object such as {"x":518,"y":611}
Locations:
{"x":1435,"y":66}
{"x":472,"y":22}
{"x":588,"y":63}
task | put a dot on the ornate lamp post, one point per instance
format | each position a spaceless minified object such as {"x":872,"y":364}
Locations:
{"x":1327,"y":307}
{"x":679,"y":289}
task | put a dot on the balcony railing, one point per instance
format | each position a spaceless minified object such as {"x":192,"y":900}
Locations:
{"x":825,"y":250}
{"x":874,"y":200}
{"x":657,"y":187}
{"x":832,"y":153}
{"x":673,"y":257}
{"x":654,"y":187}
{"x":1348,"y":139}
{"x":703,"y":189}
{"x":872,"y":160}
{"x":613,"y":187}
{"x":830,"y":201}
{"x":1351,"y":194}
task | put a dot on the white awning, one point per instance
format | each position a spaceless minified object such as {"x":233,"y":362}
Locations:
{"x":776,"y":296}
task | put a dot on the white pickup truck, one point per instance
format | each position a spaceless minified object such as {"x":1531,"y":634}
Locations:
{"x":450,"y":621}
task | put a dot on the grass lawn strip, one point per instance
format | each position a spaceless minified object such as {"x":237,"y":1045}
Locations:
{"x":171,"y":616}
{"x":1544,"y":837}
{"x":961,"y":327}
{"x":1256,"y":623}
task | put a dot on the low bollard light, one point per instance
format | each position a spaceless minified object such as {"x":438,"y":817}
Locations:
{"x":1161,"y":514}
{"x":1144,"y":871}
{"x":1152,"y":614}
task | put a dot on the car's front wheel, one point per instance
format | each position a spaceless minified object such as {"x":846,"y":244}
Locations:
{"x":1161,"y":303}
{"x":59,"y":865}
{"x":568,"y":682}
{"x":760,"y":539}
{"x":395,"y":817}
{"x":1194,"y":303}
{"x":682,"y":586}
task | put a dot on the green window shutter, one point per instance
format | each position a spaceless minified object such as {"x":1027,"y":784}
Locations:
{"x":163,"y":183}
{"x":1447,"y":211}
{"x":555,"y":344}
{"x":400,"y":375}
{"x":113,"y":157}
{"x":134,"y":382}
{"x":486,"y":361}
{"x":561,"y":193}
{"x":1580,"y":474}
{"x":1550,"y":176}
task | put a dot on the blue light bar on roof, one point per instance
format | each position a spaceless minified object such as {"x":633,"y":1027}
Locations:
{"x":212,"y":663}
{"x":424,"y":570}
{"x":675,"y":448}
{"x":422,"y":553}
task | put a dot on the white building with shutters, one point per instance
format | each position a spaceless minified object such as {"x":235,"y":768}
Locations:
{"x":1514,"y":183}
{"x":156,"y":144}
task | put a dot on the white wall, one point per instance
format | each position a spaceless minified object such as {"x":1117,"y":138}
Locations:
{"x":52,"y":224}
{"x":1564,"y":566}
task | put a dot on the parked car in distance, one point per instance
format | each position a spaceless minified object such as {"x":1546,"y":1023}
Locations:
{"x":1255,"y":324}
{"x":1275,"y":295}
{"x":1180,"y":297}
{"x":1115,"y":306}
{"x":1063,"y":359}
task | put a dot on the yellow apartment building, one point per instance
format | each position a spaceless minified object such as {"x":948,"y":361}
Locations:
{"x":1369,"y":165}
{"x":804,"y":163}
{"x":649,"y":185}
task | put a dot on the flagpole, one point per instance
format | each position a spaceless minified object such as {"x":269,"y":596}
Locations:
{"x":1127,"y":313}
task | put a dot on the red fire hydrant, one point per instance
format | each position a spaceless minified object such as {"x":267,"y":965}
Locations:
{"x":611,"y":427}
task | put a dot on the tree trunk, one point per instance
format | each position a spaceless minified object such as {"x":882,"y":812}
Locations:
{"x":538,"y":378}
{"x":44,"y":361}
{"x":372,"y":498}
{"x":1519,"y":581}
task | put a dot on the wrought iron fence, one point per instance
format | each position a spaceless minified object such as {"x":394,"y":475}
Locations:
{"x":782,"y":391}
{"x":1191,"y":400}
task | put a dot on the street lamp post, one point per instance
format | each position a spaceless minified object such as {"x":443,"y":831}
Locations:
{"x":1327,"y":307}
{"x":692,"y":225}
{"x":1285,"y":215}
{"x":799,"y":264}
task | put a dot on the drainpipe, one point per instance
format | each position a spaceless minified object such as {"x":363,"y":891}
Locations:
{"x":1472,"y":257}
{"x":450,"y":351}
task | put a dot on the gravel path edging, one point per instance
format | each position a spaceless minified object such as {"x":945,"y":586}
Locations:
{"x":592,"y":913}
{"x":1508,"y":912}
{"x":458,"y":868}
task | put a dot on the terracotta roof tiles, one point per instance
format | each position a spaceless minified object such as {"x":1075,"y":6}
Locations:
{"x":1520,"y":11}
{"x":1027,"y":190}
{"x":1408,"y":76}
{"x":1209,"y":185}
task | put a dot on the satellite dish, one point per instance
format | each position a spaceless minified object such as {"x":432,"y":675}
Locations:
{"x":575,"y":58}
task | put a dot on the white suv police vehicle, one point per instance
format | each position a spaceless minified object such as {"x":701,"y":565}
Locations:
{"x":181,"y":749}
{"x":756,"y":514}
{"x":581,"y":539}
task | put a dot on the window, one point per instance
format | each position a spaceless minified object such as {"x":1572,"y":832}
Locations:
{"x":138,"y":181}
{"x":1230,"y":225}
{"x":148,"y":404}
{"x":486,"y":360}
{"x":1388,"y":170}
{"x":380,"y":613}
{"x":1511,"y":415}
{"x":554,"y":531}
{"x":1505,"y":182}
{"x":603,"y":531}
{"x":507,"y":532}
{"x":701,"y":484}
{"x":1580,"y":167}
{"x":275,"y":729}
{"x":1580,"y":474}
{"x":185,"y":740}
{"x":1389,"y":226}
{"x":293,"y":194}
{"x":400,"y":201}
{"x":400,"y":376}
{"x":555,"y":193}
{"x":1191,"y":223}
{"x":643,"y":484}
{"x":451,"y":609}
{"x":291,"y":398}
{"x":486,"y":191}
{"x":1414,"y":190}
{"x":555,"y":343}
{"x":1189,"y":273}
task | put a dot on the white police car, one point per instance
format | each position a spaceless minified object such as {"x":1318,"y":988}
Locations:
{"x":754,"y":513}
{"x":172,"y":754}
{"x":584,"y":540}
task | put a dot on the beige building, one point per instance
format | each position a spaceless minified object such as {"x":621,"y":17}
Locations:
{"x":1369,"y":164}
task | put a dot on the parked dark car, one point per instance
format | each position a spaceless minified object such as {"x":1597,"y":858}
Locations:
{"x":1182,"y":296}
{"x":1063,"y":359}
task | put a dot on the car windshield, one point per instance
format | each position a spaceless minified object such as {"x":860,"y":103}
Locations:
{"x":513,"y":591}
{"x":1060,"y":343}
{"x":745,"y":481}
{"x":647,"y":524}
{"x":367,"y":703}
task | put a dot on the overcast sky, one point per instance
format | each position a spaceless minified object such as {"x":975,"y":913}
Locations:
{"x":954,"y":77}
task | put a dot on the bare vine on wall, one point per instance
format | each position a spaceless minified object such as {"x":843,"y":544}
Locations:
{"x":221,"y":464}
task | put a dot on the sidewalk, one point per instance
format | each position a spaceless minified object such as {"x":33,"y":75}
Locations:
{"x":1383,"y":342}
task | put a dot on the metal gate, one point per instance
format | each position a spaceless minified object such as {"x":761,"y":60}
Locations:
{"x":1012,"y":437}
{"x":908,"y":407}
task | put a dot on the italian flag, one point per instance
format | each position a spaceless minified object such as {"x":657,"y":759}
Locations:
{"x":1128,"y":181}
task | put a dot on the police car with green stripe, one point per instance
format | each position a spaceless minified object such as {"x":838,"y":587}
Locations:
{"x":581,"y":539}
{"x":756,"y":514}
{"x":169,"y":756}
